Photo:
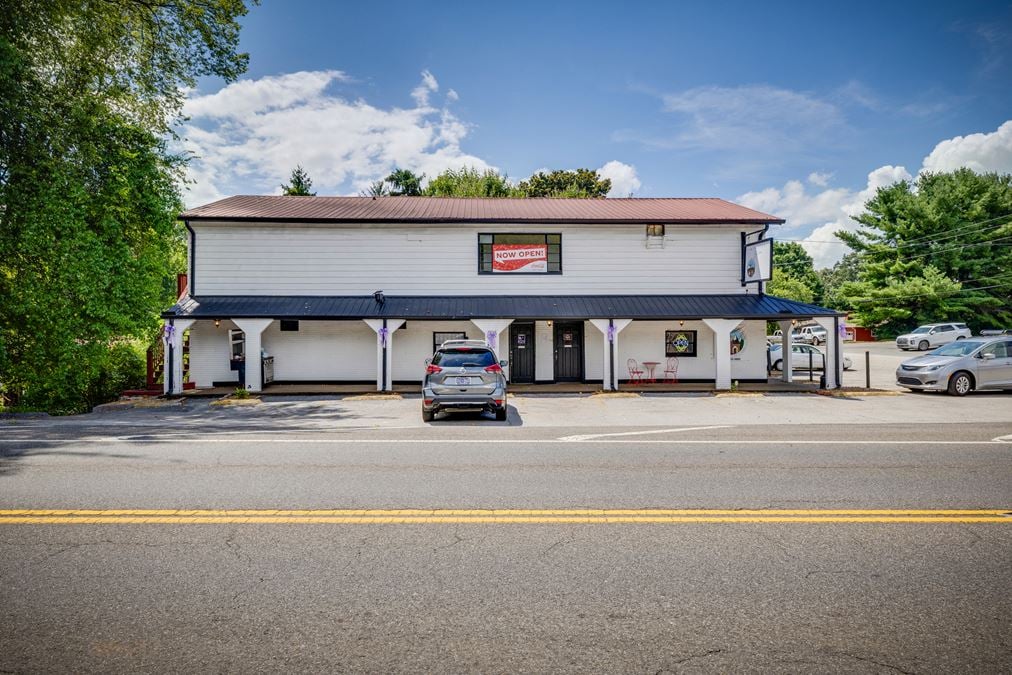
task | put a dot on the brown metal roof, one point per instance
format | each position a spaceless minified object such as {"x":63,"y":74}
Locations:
{"x":447,"y":209}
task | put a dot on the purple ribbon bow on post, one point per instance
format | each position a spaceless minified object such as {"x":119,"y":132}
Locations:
{"x":383,"y":333}
{"x":170,"y":330}
{"x":490,"y":338}
{"x":612,"y":332}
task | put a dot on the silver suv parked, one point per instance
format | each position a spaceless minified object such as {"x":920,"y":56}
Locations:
{"x":959,"y":367}
{"x":933,"y":335}
{"x":464,"y":375}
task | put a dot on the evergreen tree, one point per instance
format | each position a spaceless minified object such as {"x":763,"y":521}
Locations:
{"x":301,"y":184}
{"x":939,"y":249}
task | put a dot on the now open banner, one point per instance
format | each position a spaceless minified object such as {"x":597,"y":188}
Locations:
{"x":520,"y":257}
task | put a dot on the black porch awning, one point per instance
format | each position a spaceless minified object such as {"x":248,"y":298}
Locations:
{"x":465,"y":307}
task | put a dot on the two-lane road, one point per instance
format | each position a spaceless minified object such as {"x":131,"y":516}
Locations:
{"x":717,"y":547}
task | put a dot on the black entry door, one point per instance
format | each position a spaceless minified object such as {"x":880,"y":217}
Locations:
{"x":522,"y":353}
{"x":568,"y":352}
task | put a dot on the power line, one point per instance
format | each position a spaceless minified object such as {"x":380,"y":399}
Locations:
{"x":966,"y":227}
{"x":962,"y":289}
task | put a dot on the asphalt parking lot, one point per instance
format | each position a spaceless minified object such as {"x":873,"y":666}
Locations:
{"x":885,"y":359}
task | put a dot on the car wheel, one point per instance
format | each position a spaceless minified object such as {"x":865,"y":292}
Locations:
{"x":779,"y":365}
{"x":960,"y":384}
{"x":427,"y":415}
{"x":923,"y":346}
{"x":500,"y":414}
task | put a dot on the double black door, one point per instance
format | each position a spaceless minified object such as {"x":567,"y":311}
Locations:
{"x":522,"y":353}
{"x":568,"y":339}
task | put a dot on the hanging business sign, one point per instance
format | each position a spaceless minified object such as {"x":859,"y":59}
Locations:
{"x":520,"y":258}
{"x":757,"y":261}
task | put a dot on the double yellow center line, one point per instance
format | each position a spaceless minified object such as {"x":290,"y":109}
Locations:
{"x":537,"y":516}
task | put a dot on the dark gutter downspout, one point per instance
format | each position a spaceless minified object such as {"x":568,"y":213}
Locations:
{"x":744,"y":240}
{"x":611,"y":354}
{"x":384,"y":341}
{"x":191,"y":280}
{"x":169,"y":366}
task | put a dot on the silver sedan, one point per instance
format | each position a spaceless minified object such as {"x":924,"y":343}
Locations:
{"x":801,"y":356}
{"x":960,"y":367}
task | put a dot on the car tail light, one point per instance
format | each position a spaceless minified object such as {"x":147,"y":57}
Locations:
{"x":429,"y":401}
{"x":494,"y":368}
{"x":433,"y":369}
{"x":498,"y":401}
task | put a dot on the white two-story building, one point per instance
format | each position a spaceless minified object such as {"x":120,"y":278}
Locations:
{"x":361,"y":289}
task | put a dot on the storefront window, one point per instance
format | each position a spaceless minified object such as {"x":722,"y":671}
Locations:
{"x":439,"y":338}
{"x":520,"y":254}
{"x":679,"y":343}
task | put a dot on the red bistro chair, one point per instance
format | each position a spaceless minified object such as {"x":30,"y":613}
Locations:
{"x":671,"y":370}
{"x":635,"y":372}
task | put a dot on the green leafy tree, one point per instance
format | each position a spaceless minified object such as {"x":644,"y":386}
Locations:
{"x":783,"y":285}
{"x":581,"y":183}
{"x":935,"y":250}
{"x":903,"y":303}
{"x":795,"y":264}
{"x":89,"y":243}
{"x":301,"y":184}
{"x":470,"y":182}
{"x":405,"y":182}
{"x":377,"y":188}
{"x":847,"y":269}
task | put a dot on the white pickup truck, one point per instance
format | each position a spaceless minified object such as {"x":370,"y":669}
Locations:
{"x":933,"y":335}
{"x":813,"y":335}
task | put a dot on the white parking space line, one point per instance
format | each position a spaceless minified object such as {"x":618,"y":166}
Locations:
{"x":587,"y":437}
{"x":487,"y":441}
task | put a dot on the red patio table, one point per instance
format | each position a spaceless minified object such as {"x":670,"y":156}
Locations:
{"x":650,"y":365}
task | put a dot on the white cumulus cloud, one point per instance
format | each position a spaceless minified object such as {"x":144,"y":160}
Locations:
{"x":832,"y":209}
{"x":624,"y":181}
{"x":247,"y":137}
{"x":829,"y":210}
{"x":980,"y":152}
{"x":427,"y":86}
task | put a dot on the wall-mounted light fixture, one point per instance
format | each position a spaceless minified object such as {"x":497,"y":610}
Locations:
{"x":681,"y":323}
{"x":794,"y":322}
{"x":217,"y":323}
{"x":549,"y":324}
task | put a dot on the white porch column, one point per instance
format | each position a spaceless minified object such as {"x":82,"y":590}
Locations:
{"x":384,"y":329}
{"x":610,"y":328}
{"x":786,"y":349}
{"x":722,"y":349}
{"x":173,"y":342}
{"x":492,"y":330}
{"x":834,"y":354}
{"x":252,"y":330}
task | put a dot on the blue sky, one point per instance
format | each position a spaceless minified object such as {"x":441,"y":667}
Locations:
{"x":799,"y":108}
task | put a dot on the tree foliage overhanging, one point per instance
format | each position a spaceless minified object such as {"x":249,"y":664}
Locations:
{"x":939,"y":249}
{"x":89,"y":245}
{"x":473,"y":182}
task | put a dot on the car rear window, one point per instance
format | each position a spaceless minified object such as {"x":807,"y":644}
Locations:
{"x":458,"y":358}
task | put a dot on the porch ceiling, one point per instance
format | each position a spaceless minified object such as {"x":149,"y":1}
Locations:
{"x":466,"y":307}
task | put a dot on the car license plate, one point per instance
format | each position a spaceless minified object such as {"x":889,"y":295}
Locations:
{"x":462,"y":380}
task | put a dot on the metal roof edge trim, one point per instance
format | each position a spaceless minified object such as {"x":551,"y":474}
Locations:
{"x":490,"y":221}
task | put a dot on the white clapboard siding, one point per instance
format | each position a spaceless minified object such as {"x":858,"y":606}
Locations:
{"x":210,"y":354}
{"x":263,"y":259}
